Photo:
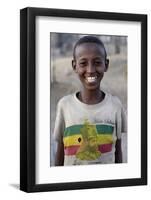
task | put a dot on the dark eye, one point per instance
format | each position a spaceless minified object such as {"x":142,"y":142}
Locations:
{"x":82,"y":64}
{"x":98,"y":62}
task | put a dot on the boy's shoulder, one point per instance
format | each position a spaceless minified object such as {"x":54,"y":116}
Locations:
{"x":65,"y":99}
{"x":115,"y":100}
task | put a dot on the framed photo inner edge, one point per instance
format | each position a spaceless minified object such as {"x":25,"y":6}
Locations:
{"x":28,"y":99}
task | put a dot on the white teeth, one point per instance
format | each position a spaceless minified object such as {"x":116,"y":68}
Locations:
{"x":91,"y":79}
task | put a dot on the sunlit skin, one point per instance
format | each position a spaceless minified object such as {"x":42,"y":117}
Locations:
{"x":90,"y":64}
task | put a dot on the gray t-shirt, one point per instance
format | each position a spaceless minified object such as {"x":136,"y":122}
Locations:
{"x":89,"y":132}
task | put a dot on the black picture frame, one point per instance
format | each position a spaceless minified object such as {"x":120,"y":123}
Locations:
{"x":28,"y":98}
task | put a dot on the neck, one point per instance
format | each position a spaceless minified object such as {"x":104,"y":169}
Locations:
{"x":91,"y":96}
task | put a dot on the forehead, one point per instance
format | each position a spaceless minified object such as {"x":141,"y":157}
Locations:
{"x":89,"y":49}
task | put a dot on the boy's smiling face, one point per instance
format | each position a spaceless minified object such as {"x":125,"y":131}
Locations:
{"x":90,"y":63}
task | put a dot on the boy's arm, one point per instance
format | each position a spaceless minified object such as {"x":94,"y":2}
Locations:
{"x":59,"y":159}
{"x":118,"y":151}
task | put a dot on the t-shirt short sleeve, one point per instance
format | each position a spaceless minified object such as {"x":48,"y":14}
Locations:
{"x":121,"y":122}
{"x":59,"y":123}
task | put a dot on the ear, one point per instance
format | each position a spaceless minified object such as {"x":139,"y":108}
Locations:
{"x":106,"y":64}
{"x":74,"y":65}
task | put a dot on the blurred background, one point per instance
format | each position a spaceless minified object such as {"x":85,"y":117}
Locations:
{"x":64,"y":81}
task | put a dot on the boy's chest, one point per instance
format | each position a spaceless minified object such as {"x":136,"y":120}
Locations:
{"x":104,"y":115}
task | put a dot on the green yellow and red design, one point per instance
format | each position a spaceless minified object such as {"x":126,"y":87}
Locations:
{"x":88,"y":141}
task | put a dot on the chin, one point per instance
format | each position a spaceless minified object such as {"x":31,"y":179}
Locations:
{"x":92,"y":87}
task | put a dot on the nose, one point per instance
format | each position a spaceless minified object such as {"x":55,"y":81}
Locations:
{"x":91,"y":68}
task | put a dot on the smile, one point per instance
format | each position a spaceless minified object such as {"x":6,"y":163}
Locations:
{"x":91,"y":79}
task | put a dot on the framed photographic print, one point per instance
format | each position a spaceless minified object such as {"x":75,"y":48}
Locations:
{"x":83,"y":99}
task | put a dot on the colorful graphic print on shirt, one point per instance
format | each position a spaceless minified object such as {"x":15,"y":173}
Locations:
{"x":88,"y":141}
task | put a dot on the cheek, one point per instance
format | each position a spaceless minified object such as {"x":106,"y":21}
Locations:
{"x":101,"y":69}
{"x":80,"y":71}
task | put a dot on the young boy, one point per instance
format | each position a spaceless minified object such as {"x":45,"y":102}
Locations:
{"x":89,"y":123}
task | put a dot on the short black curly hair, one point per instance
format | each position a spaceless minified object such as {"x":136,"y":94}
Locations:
{"x":89,"y":39}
